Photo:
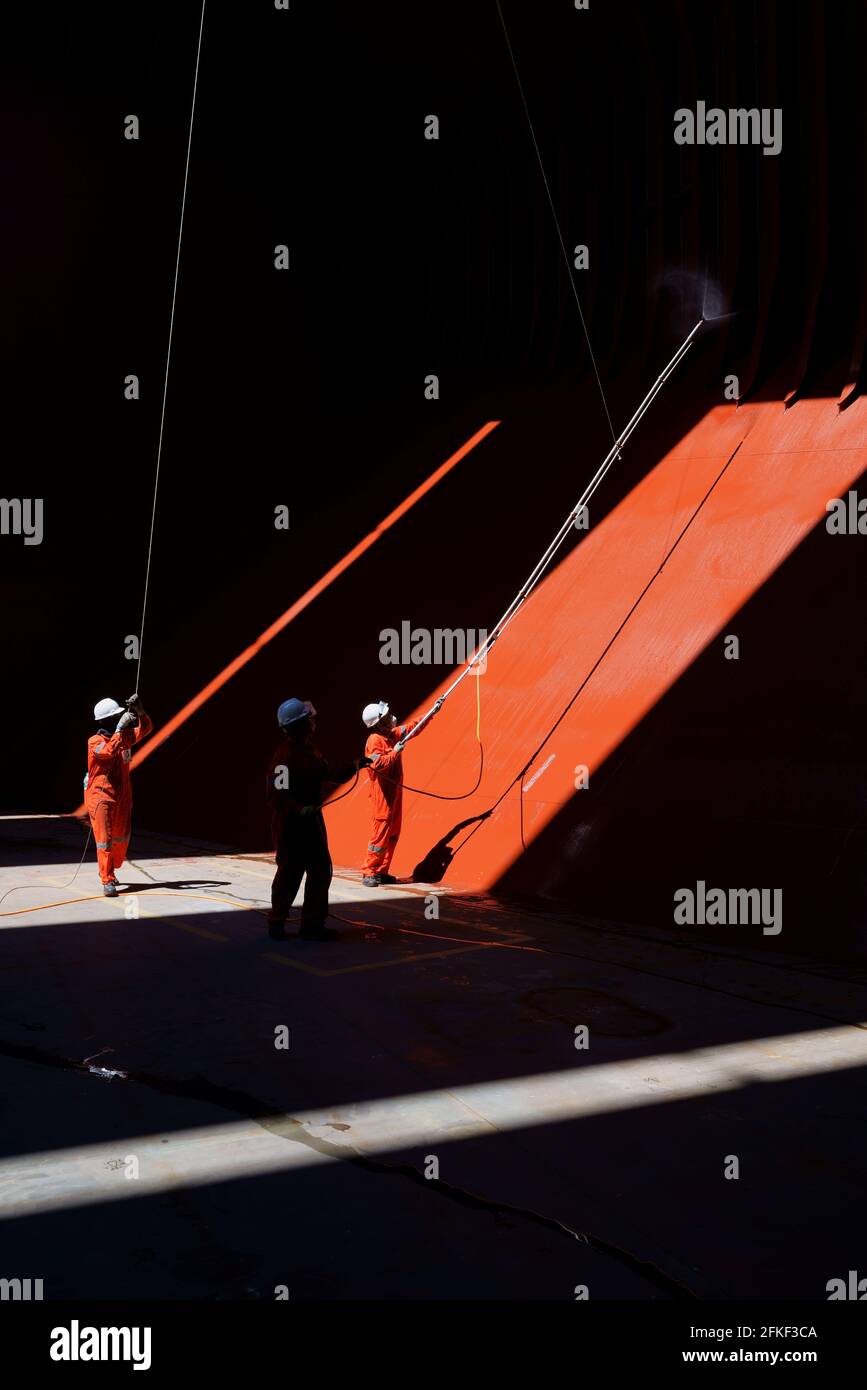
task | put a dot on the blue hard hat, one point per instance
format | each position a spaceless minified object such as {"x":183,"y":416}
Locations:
{"x":291,"y":711}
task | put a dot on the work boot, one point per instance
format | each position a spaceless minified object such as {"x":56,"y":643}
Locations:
{"x":277,"y":931}
{"x":319,"y":934}
{"x":372,"y":880}
{"x":109,"y":889}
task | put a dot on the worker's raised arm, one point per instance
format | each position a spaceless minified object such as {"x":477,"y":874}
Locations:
{"x":414,"y":727}
{"x":145,"y":723}
{"x":340,"y":772}
{"x":143,"y":727}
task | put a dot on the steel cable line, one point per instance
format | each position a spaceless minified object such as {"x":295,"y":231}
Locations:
{"x":169,"y":354}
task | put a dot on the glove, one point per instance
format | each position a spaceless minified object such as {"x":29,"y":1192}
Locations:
{"x":125,"y":721}
{"x":364,"y":762}
{"x":134,"y":703}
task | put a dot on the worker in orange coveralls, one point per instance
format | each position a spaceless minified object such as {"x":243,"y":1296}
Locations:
{"x":107,"y":792}
{"x":385,"y":786}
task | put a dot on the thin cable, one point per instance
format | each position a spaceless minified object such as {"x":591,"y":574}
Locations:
{"x":130,"y":891}
{"x":439,"y":796}
{"x":536,"y":574}
{"x":19,"y":887}
{"x":518,"y":778}
{"x":557,"y":223}
{"x":617,"y":442}
{"x":332,"y":799}
{"x":169,"y":353}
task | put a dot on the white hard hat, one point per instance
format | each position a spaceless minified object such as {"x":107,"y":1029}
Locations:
{"x":104,"y":709}
{"x":373,"y":713}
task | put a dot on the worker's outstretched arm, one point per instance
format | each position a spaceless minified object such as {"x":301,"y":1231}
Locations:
{"x":341,"y":772}
{"x":415,"y":726}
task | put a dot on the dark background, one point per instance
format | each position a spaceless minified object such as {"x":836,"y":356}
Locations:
{"x":306,"y":388}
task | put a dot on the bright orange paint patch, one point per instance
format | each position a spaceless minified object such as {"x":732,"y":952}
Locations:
{"x":160,"y":735}
{"x":771,"y":496}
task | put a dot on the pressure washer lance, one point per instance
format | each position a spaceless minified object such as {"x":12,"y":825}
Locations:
{"x":544,"y":562}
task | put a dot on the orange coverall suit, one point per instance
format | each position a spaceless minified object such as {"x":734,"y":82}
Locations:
{"x":385,"y":789}
{"x":108,"y":797}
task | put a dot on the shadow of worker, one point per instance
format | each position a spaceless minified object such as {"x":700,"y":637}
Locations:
{"x":432,"y":867}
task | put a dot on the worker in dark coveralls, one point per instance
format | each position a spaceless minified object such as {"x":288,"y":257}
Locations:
{"x":296,"y":781}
